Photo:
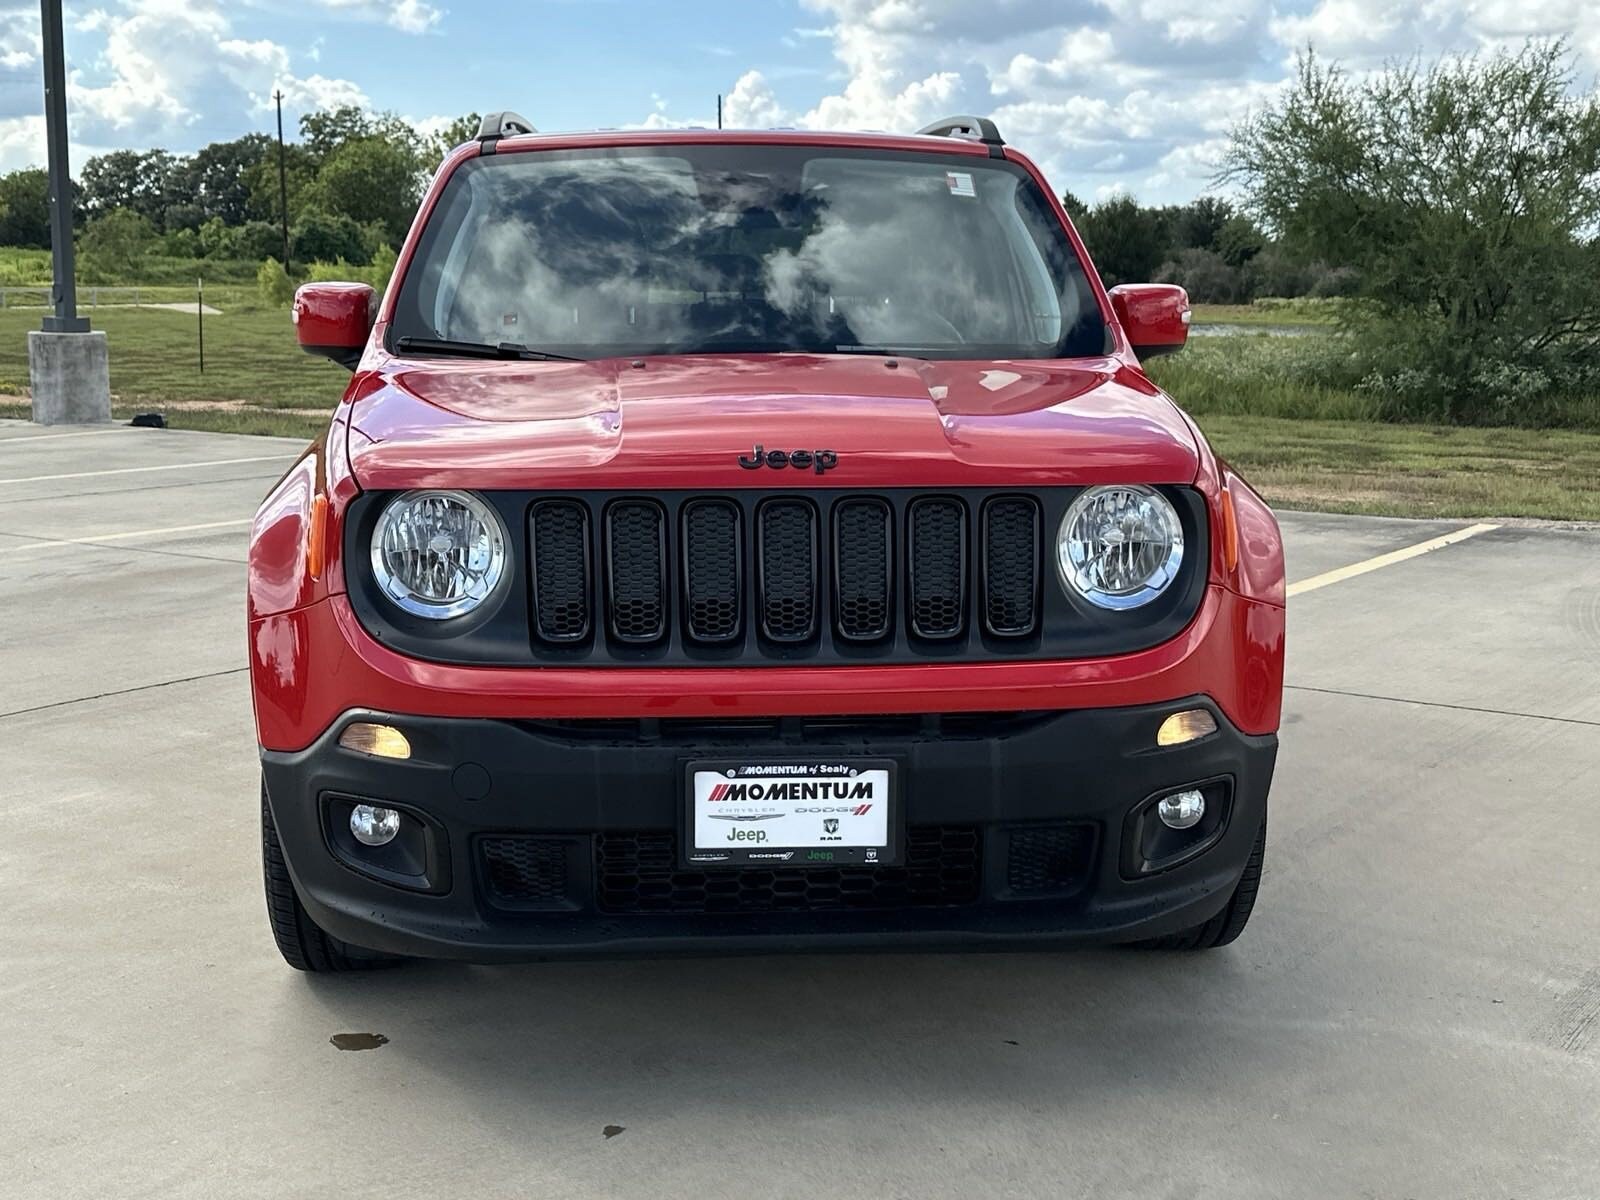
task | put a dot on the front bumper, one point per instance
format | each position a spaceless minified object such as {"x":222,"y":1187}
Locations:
{"x":557,"y":837}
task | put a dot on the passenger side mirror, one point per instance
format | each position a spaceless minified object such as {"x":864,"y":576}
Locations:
{"x":1155,"y":316}
{"x":334,"y":319}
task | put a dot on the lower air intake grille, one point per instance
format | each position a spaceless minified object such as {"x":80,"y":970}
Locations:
{"x":561,"y":570}
{"x":636,"y":544}
{"x":1049,"y":858}
{"x":788,"y":581}
{"x":1010,"y":565}
{"x":938,"y":567}
{"x":524,"y":872}
{"x":639,"y":873}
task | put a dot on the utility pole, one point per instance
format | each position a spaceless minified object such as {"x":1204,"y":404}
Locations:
{"x":68,"y":366}
{"x":65,"y":287}
{"x":283,"y":181}
{"x":719,"y":110}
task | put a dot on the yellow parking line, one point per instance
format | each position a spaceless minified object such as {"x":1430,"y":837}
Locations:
{"x":96,"y":538}
{"x":1386,"y":560}
{"x":215,"y":462}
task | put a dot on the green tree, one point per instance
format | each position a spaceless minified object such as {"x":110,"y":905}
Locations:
{"x":462,"y":129}
{"x":217,"y":178}
{"x":115,"y":244}
{"x":1127,"y":242}
{"x":274,"y":284}
{"x":325,"y":132}
{"x":25,"y":200}
{"x":370,"y":180}
{"x":1198,"y":225}
{"x":325,"y":237}
{"x":134,"y":180}
{"x":261,"y":181}
{"x":1466,"y":195}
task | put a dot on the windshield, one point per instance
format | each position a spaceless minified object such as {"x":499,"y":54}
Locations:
{"x":684,"y":249}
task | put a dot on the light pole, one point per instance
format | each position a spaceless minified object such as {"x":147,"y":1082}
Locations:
{"x":67,"y":364}
{"x":64,"y":293}
{"x":283,"y":180}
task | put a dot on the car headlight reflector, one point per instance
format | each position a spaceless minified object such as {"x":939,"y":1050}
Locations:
{"x":1121,"y":546}
{"x":438,"y":554}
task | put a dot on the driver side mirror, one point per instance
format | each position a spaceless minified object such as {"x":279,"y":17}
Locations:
{"x":333,"y":320}
{"x":1155,"y":316}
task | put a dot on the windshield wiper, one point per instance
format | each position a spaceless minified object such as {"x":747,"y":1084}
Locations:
{"x":479,"y":349}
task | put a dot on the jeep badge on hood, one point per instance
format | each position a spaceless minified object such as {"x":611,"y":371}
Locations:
{"x":819,"y":460}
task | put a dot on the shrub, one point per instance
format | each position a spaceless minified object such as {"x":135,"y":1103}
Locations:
{"x":1467,"y":196}
{"x":274,"y":284}
{"x":1207,"y":277}
{"x":258,"y":240}
{"x":323,"y":237}
{"x":114,"y":244}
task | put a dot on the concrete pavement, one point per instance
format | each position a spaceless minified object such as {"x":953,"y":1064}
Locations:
{"x":1413,"y":1012}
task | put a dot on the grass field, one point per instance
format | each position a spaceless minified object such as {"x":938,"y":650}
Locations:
{"x":1308,"y":314}
{"x":250,"y":356}
{"x":1304,"y":444}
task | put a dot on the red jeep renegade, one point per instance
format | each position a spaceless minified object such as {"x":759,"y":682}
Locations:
{"x":746,"y":541}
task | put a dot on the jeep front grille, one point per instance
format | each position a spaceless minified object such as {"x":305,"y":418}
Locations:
{"x":636,"y":556}
{"x":783,"y":575}
{"x":787,"y":581}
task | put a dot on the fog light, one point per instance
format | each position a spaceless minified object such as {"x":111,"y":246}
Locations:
{"x":1181,"y":810}
{"x":1186,"y":726}
{"x":373,"y":826}
{"x":383,"y":740}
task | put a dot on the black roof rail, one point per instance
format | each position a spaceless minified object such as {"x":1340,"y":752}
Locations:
{"x":497,"y":125}
{"x":978,"y":129}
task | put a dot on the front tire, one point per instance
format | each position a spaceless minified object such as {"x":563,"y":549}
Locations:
{"x":305,"y":946}
{"x":1228,"y":924}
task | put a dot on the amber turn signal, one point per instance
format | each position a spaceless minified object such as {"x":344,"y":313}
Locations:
{"x":317,"y":535}
{"x":1230,"y":532}
{"x":383,"y":740}
{"x":1187,"y":726}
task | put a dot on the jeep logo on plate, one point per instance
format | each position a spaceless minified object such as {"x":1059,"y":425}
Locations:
{"x":801,"y":460}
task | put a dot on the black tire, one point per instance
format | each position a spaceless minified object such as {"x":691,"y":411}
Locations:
{"x":301,"y":941}
{"x":1228,"y":924}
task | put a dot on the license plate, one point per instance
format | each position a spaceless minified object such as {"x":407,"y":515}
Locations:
{"x":792,"y":813}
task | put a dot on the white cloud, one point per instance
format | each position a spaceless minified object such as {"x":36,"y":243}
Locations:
{"x":752,"y":105}
{"x":1130,"y":94}
{"x":408,"y":16}
{"x":163,"y":68}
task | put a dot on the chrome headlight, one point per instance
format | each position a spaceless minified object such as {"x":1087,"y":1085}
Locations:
{"x":438,"y":554}
{"x":1119,"y":547}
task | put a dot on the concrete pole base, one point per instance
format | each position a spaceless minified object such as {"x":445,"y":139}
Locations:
{"x":71,"y":378}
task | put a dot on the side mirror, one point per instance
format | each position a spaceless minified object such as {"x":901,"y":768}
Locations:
{"x":334,"y":319}
{"x":1155,"y":316}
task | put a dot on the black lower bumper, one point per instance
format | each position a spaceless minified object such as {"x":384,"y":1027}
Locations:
{"x":533,"y":839}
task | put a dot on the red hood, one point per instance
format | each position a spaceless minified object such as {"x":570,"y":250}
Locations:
{"x":682,"y":422}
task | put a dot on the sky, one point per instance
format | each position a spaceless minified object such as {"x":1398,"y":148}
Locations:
{"x":1106,"y":95}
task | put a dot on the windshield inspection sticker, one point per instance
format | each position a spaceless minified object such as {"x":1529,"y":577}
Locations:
{"x":960,"y":184}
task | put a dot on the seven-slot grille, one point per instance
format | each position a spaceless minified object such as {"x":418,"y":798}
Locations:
{"x":776,"y":574}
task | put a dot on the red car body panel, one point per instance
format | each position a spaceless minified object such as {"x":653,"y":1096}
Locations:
{"x":1233,"y":651}
{"x":671,"y":422}
{"x":676,"y":423}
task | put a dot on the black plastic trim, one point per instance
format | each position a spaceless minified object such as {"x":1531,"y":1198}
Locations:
{"x":964,"y":602}
{"x":815,"y":569}
{"x":741,"y":571}
{"x":610,"y":512}
{"x":889,"y":561}
{"x":983,"y":565}
{"x":502,"y":632}
{"x":588,"y":572}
